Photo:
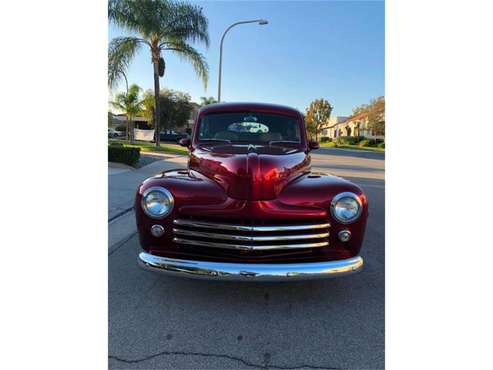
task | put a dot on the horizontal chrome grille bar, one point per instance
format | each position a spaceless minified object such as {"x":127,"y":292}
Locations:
{"x":209,"y":225}
{"x":247,"y":238}
{"x":247,"y":247}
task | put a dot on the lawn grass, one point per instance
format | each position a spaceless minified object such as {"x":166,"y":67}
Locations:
{"x":356,"y":147}
{"x":146,"y":147}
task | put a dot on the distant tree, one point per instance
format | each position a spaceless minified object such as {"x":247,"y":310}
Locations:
{"x":317,"y":114}
{"x":310,"y":125}
{"x":162,"y":26}
{"x":204,"y":100}
{"x":177,"y":109}
{"x":110,"y":118}
{"x":131,"y":104}
{"x":376,"y":116}
{"x":148,"y":107}
{"x":360,"y":109}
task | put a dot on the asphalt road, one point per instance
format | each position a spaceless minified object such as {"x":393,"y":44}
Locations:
{"x":158,"y":322}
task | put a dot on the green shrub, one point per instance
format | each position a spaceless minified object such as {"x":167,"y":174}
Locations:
{"x":325,"y":139}
{"x":123,"y":154}
{"x":330,"y":144}
{"x":374,"y":143}
{"x":364,"y":142}
{"x":349,"y":140}
{"x":381,"y":145}
{"x":340,"y":140}
{"x":356,"y":139}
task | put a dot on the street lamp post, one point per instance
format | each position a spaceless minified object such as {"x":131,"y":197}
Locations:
{"x":259,"y":21}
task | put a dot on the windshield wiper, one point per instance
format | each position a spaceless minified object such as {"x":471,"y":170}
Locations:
{"x":215,"y":140}
{"x":283,"y":142}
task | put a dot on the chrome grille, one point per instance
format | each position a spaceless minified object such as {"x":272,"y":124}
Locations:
{"x":241,"y":236}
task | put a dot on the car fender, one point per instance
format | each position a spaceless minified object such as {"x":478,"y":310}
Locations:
{"x":317,"y":190}
{"x":187,"y":187}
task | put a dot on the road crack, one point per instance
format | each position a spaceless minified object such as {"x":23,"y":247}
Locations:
{"x":117,"y":246}
{"x":233,"y":358}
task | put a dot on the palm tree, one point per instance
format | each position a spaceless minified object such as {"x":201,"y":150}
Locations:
{"x":161,"y":25}
{"x":204,"y":100}
{"x":131,"y":104}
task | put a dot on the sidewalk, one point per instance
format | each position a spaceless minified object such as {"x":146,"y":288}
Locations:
{"x":115,"y":168}
{"x":122,"y":184}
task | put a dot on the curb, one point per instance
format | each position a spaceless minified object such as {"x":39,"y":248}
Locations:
{"x":121,"y":228}
{"x":119,"y":214}
{"x":164,"y":155}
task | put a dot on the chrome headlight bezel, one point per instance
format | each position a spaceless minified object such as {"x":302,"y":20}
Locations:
{"x":341,"y":196}
{"x":163,"y":191}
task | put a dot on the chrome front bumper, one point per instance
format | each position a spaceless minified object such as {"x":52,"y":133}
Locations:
{"x":250,"y":271}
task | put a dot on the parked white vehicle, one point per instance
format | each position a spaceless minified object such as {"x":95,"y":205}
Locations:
{"x":113,"y":133}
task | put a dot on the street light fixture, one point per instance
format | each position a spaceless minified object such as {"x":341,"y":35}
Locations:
{"x":259,"y":21}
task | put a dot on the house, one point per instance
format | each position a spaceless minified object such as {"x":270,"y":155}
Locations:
{"x":121,"y":119}
{"x":356,"y":125}
{"x":328,"y":129}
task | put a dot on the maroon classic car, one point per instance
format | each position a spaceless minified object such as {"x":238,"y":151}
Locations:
{"x":248,"y":207}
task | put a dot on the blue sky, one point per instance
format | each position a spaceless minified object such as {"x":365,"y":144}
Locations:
{"x":309,"y":50}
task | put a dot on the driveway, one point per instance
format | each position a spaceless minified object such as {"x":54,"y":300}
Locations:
{"x":158,"y":322}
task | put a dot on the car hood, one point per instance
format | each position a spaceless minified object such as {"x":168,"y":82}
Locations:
{"x":250,"y":172}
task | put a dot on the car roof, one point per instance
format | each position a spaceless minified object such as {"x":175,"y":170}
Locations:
{"x":243,"y":106}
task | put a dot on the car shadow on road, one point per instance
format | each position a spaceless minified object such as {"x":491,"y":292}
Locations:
{"x":350,"y":153}
{"x":369,"y":185}
{"x":351,"y":168}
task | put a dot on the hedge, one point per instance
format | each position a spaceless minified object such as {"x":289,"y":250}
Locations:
{"x":349,"y":140}
{"x":123,"y":154}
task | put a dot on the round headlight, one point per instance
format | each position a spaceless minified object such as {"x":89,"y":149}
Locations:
{"x":346,"y":207}
{"x":157,"y":202}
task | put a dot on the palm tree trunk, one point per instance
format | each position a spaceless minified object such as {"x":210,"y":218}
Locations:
{"x":155,"y":62}
{"x":131,"y":130}
{"x":128,"y":128}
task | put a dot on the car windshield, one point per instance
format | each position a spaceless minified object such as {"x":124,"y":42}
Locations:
{"x":249,"y":128}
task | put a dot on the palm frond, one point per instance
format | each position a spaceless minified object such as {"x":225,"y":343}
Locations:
{"x":188,"y":53}
{"x":117,"y":105}
{"x":161,"y":18}
{"x":133,"y":93}
{"x":120,"y":53}
{"x":129,"y":102}
{"x":186,"y":22}
{"x":135,"y":16}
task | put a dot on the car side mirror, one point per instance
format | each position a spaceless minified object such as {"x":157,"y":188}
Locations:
{"x":186,"y":142}
{"x":313,"y":145}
